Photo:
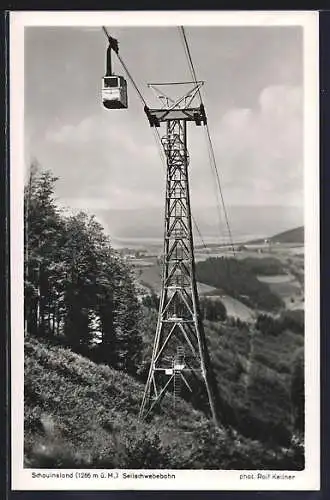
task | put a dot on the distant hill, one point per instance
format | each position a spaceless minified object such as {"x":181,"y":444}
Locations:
{"x":134,"y":228}
{"x":295,"y":235}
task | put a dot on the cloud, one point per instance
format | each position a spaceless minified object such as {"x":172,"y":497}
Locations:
{"x":99,"y":130}
{"x":112,"y":159}
{"x":91,"y":128}
{"x":107,"y":161}
{"x":260,"y":150}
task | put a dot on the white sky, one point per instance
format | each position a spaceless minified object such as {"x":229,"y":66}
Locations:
{"x":109,"y":159}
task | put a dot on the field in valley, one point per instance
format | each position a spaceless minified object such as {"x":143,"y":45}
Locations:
{"x":287,"y":282}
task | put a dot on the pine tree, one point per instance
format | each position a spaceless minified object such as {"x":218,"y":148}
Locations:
{"x":43,"y":227}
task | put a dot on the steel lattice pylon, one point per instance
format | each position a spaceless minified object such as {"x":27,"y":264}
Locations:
{"x":180,"y":359}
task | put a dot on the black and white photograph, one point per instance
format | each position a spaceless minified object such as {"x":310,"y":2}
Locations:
{"x":164,"y":243}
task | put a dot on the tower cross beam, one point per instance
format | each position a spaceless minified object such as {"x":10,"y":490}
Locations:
{"x":181,"y":109}
{"x":189,"y":94}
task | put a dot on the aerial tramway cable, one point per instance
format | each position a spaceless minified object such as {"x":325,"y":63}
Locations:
{"x":208,"y":136}
{"x":205,"y":366}
{"x":157,"y":137}
{"x":126,"y":69}
{"x":210,"y":145}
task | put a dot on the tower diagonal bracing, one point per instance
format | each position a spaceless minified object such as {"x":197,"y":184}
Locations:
{"x":180,"y":361}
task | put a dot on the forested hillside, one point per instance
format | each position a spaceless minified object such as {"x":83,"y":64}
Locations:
{"x":88,"y":345}
{"x":238,"y":279}
{"x":76,"y":286}
{"x":82,"y":415}
{"x":254,"y":367}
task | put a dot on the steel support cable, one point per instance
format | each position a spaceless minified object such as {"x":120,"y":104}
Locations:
{"x":220,"y":189}
{"x":157,"y":132}
{"x":145,"y":103}
{"x":222,"y":224}
{"x":194,"y":77}
{"x":126,"y":70}
{"x":210,"y":149}
{"x":188,"y":54}
{"x":209,"y":140}
{"x":132,"y":81}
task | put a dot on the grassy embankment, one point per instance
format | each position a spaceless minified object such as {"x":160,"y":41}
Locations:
{"x":79,"y":414}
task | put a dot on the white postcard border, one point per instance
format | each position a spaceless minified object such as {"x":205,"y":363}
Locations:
{"x":309,"y":479}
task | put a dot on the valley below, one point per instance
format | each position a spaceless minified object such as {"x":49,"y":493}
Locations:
{"x":82,"y":405}
{"x":284,"y":276}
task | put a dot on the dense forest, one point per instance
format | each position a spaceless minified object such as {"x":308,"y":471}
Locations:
{"x":88,"y":343}
{"x":212,"y":310}
{"x":76,"y":287}
{"x":238,"y":279}
{"x":265,"y":266}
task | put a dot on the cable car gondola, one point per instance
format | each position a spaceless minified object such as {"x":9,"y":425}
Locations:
{"x":114,"y":92}
{"x":114,"y":87}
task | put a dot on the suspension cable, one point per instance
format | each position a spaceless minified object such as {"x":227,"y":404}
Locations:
{"x":126,"y":70}
{"x":188,"y":54}
{"x":209,"y":140}
{"x":212,"y":155}
{"x":157,"y":135}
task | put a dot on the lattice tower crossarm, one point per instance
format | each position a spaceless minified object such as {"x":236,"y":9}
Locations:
{"x":179,"y":352}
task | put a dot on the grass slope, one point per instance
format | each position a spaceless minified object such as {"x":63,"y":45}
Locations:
{"x":79,"y":414}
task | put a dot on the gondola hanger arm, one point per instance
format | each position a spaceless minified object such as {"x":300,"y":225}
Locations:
{"x":113,"y":42}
